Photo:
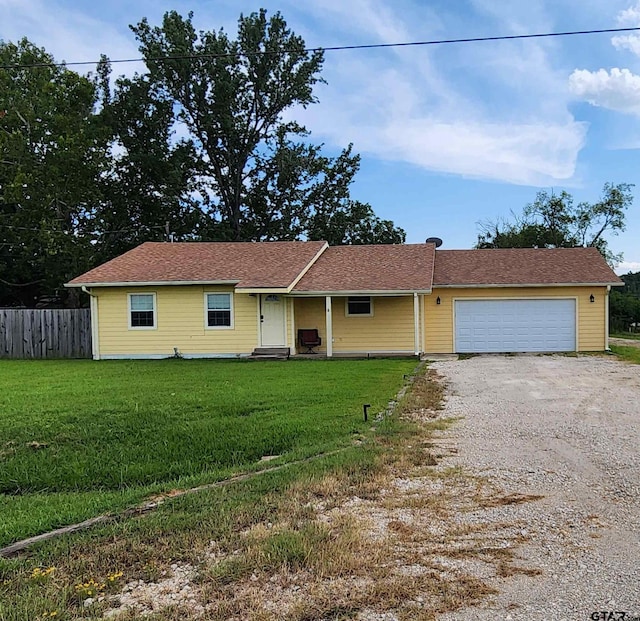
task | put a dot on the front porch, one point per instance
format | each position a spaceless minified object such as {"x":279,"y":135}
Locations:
{"x":359,"y":326}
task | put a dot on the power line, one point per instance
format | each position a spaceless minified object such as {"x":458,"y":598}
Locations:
{"x":69,"y":232}
{"x":336,"y":48}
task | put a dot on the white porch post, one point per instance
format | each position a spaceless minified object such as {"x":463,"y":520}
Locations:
{"x":293,"y":326}
{"x":423,"y":327}
{"x":329,"y":330}
{"x":606,"y":319}
{"x":416,"y":324}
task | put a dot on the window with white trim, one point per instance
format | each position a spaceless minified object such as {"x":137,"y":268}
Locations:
{"x":219,"y":310}
{"x":142,"y":310}
{"x":359,"y":306}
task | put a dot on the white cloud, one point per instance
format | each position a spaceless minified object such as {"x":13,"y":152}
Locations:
{"x":475,"y":111}
{"x":375,"y":18}
{"x":627,"y":42}
{"x":67,"y":35}
{"x":628,"y":266}
{"x":391,"y":124}
{"x":516,"y":153}
{"x":615,"y":89}
{"x":494,"y":111}
{"x":618,"y":89}
{"x":518,"y":17}
{"x":628,"y":18}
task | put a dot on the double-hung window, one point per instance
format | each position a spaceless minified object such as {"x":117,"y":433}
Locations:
{"x":142,"y":310}
{"x":219,"y":310}
{"x":359,"y":306}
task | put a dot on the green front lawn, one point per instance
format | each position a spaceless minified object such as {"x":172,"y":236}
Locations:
{"x":79,"y":438}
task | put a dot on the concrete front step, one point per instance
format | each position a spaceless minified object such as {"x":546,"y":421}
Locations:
{"x":270,"y":353}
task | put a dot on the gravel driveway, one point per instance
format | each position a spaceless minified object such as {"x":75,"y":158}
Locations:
{"x":566,"y":428}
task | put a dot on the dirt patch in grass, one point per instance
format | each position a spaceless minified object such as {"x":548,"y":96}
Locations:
{"x":509,"y":499}
{"x":425,"y":398}
{"x":398,"y":537}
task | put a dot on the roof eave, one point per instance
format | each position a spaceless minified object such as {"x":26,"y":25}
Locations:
{"x":503,"y":285}
{"x":151,"y":283}
{"x":255,"y":290}
{"x":354,"y":292}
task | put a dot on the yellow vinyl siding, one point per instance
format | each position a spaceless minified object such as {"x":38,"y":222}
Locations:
{"x":180,"y":312}
{"x":591,"y":319}
{"x":309,"y":314}
{"x":390,"y":329}
{"x":439,"y":320}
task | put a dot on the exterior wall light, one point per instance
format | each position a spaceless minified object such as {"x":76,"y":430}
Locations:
{"x":592,"y":298}
{"x":438,"y":300}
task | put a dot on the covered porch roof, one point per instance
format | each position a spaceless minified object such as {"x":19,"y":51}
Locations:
{"x":370,"y":270}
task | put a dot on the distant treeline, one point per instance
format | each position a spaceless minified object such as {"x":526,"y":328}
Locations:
{"x":624,"y":308}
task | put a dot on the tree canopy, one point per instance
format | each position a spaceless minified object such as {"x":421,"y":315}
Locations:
{"x":203,"y":145}
{"x":555,"y":221}
{"x":258,"y":177}
{"x":52,"y":151}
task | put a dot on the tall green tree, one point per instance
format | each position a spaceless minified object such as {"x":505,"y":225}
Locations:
{"x":147,"y":190}
{"x":52,"y":153}
{"x":354,"y":223}
{"x":258,"y":176}
{"x":631,"y":283}
{"x":202,"y":146}
{"x":554,"y":221}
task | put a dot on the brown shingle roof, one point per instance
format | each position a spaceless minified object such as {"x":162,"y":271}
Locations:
{"x":349,"y":268}
{"x":269,"y":264}
{"x":371,"y":268}
{"x":522,"y":266}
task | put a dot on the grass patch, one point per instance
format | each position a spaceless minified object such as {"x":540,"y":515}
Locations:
{"x":236,"y":518}
{"x":80,"y":438}
{"x":628,"y":353}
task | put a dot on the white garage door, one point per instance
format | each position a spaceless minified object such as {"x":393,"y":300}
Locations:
{"x":515,"y":325}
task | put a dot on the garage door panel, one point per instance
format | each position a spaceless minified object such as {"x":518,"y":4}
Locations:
{"x":515,"y":325}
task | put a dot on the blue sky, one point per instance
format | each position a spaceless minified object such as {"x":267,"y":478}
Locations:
{"x":450,"y":135}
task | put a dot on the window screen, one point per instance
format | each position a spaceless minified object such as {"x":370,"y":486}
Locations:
{"x":142,"y":310}
{"x":218,"y":310}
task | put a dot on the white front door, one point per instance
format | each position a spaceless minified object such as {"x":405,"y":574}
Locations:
{"x":272,"y":321}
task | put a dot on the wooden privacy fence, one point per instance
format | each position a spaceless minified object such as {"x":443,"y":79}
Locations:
{"x":45,"y":333}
